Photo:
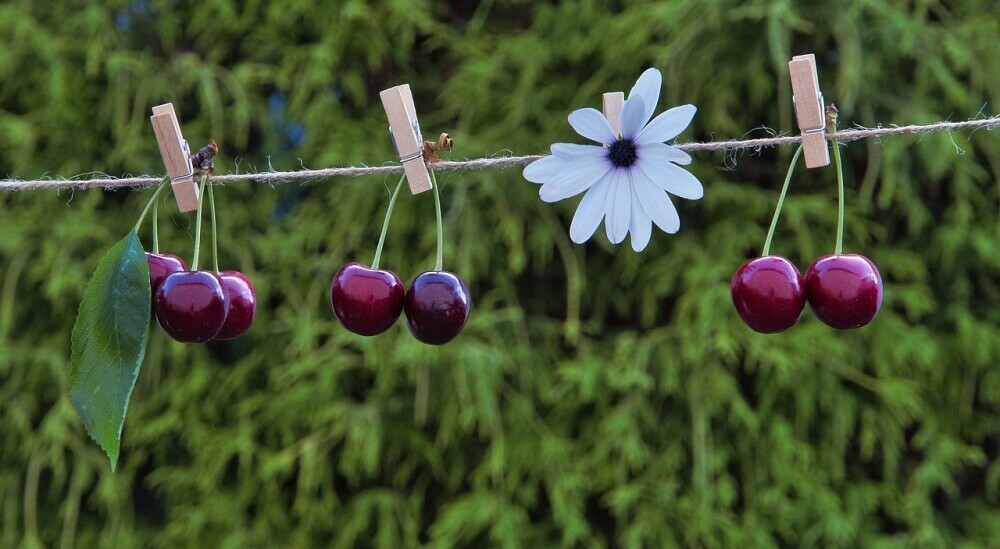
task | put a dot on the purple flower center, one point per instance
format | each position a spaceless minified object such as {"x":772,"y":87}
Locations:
{"x":623,"y":153}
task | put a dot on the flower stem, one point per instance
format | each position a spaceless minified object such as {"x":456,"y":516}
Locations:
{"x":781,"y":202}
{"x":440,"y":228}
{"x":840,"y":198}
{"x":197,"y":226}
{"x":145,"y":210}
{"x":385,"y":224}
{"x":156,"y":234}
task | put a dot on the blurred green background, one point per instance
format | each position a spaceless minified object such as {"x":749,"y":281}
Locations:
{"x":597,"y":397}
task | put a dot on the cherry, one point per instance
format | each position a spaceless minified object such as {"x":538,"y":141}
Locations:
{"x":845,"y":291}
{"x":437,"y":306}
{"x":242,"y":304}
{"x":769,"y":294}
{"x":366,"y":301}
{"x":191,"y":306}
{"x":161,"y":265}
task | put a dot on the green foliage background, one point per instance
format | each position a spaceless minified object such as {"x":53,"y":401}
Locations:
{"x":597,"y":397}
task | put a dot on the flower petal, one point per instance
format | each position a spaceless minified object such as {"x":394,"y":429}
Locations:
{"x":572,"y":151}
{"x":663,"y":153}
{"x":590,"y":212}
{"x":576,"y":177}
{"x":590,"y":123}
{"x":657,"y":206}
{"x":618,"y":207}
{"x":668,"y":125}
{"x":545,"y":168}
{"x":631,"y":120}
{"x":641,"y":226}
{"x":673,"y":179}
{"x":648,"y":88}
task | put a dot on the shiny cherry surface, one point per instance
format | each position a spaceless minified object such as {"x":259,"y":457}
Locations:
{"x":366,"y":301}
{"x":242,"y":305}
{"x":769,"y":294}
{"x":437,"y":306}
{"x":845,"y":291}
{"x":191,"y":306}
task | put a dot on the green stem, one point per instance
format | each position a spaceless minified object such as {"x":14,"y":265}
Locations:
{"x":145,"y":210}
{"x":781,"y":202}
{"x":215,"y":231}
{"x":840,"y":198}
{"x":385,"y":224}
{"x":197,"y":227}
{"x":440,"y":229}
{"x":156,"y":234}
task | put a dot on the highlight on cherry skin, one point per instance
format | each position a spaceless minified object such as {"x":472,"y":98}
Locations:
{"x":366,"y":301}
{"x":437,"y":306}
{"x":844,"y":291}
{"x":191,"y":306}
{"x":769,"y":294}
{"x":242,"y":305}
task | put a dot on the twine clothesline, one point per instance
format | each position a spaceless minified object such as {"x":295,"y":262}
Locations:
{"x":489,"y":163}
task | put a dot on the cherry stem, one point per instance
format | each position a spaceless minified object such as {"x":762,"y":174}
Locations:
{"x":440,"y":229}
{"x":385,"y":224}
{"x":197,"y":227}
{"x":840,"y":198}
{"x":215,"y":232}
{"x":152,"y":200}
{"x":156,"y":234}
{"x":781,"y":202}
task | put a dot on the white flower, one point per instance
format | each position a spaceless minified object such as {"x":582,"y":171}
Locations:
{"x":628,"y":177}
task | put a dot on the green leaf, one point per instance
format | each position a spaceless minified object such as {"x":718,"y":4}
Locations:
{"x":109,"y":341}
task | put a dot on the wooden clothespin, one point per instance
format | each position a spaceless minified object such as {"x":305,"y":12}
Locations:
{"x":612,"y":105}
{"x":176,"y":156}
{"x":809,"y":112}
{"x":404,"y":129}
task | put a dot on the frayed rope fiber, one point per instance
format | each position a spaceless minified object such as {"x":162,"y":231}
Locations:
{"x":487,"y":163}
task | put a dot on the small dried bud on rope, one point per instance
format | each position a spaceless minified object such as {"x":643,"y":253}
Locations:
{"x":202,"y":160}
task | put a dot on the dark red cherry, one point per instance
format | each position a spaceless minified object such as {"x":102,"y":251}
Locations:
{"x":160,"y":265}
{"x":769,"y":294}
{"x":845,"y":291}
{"x":366,"y":301}
{"x":437,"y":306}
{"x":242,"y":304}
{"x":191,"y":306}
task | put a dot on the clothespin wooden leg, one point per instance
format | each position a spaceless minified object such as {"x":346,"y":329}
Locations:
{"x":176,"y":156}
{"x":809,"y":111}
{"x":405,"y":132}
{"x":612,"y":104}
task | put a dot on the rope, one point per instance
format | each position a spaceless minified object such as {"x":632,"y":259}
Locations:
{"x":487,"y":163}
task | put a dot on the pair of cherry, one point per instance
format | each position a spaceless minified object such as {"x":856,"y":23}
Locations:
{"x":368,"y":301}
{"x":843,"y":290}
{"x":200,"y":305}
